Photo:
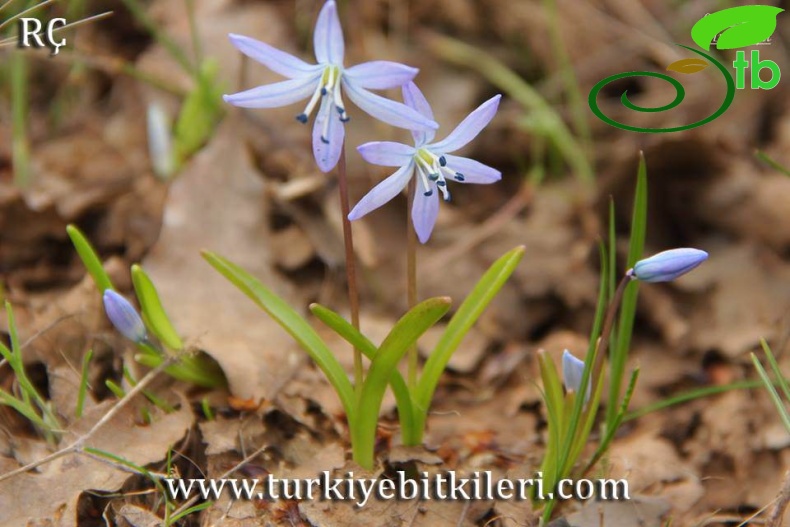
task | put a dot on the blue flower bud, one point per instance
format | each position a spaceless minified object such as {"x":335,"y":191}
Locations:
{"x":572,"y":372}
{"x":667,"y":265}
{"x":124,"y":317}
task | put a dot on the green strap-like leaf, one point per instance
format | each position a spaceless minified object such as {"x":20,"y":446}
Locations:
{"x":351,"y":335}
{"x":468,"y":312}
{"x":739,"y":26}
{"x":153,"y":311}
{"x":402,"y":336}
{"x":89,"y":258}
{"x":293,"y":323}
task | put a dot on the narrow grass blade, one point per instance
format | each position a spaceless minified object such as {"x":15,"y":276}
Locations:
{"x":153,"y":311}
{"x":780,"y":407}
{"x":611,"y":431}
{"x":771,"y":162}
{"x":775,"y":367}
{"x":402,"y":336}
{"x":625,"y":323}
{"x":20,"y":142}
{"x":83,"y":390}
{"x":90,"y":259}
{"x":692,"y":395}
{"x":191,"y":510}
{"x":293,"y":323}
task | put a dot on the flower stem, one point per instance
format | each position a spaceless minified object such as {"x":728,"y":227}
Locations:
{"x":351,"y":264}
{"x":608,"y":322}
{"x":411,"y":278}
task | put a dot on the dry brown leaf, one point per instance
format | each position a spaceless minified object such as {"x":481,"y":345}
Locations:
{"x":55,"y":488}
{"x":217,"y":204}
{"x":639,"y":510}
{"x":746,"y":304}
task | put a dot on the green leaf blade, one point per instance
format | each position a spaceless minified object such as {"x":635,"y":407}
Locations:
{"x":158,"y":321}
{"x":292,"y":323}
{"x":402,"y":337}
{"x":359,"y":341}
{"x":90,"y":259}
{"x":468,"y":312}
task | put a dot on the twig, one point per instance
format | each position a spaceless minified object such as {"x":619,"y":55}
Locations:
{"x":411,"y":278}
{"x":79,"y":444}
{"x":351,"y":263}
{"x":778,"y":511}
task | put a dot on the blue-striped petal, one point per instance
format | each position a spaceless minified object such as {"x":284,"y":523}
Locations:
{"x":390,"y":112}
{"x":469,"y":127}
{"x":424,"y":213}
{"x":327,"y":140}
{"x":274,"y":95}
{"x":381,"y":74}
{"x":386,"y":153}
{"x":414,"y":98}
{"x":472,"y":171}
{"x":383,"y":192}
{"x":278,"y":61}
{"x":328,"y":36}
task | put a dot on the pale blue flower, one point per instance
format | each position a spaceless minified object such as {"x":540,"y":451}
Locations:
{"x":431,"y":162}
{"x":667,"y":265}
{"x":124,"y":317}
{"x":572,"y":373}
{"x":325,"y":83}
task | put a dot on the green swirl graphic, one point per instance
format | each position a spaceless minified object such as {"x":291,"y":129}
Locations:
{"x":681,"y":93}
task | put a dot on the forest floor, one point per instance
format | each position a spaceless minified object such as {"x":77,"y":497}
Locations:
{"x":252,"y":193}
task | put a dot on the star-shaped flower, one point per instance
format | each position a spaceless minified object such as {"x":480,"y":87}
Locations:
{"x":325,"y":83}
{"x":431,"y":162}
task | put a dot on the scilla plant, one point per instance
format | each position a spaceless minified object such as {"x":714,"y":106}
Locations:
{"x":426,"y":165}
{"x":570,"y":417}
{"x":191,"y":367}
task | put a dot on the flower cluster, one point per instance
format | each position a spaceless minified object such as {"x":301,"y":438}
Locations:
{"x":324,"y":85}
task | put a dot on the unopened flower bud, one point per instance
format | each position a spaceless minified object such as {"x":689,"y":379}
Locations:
{"x":572,"y":373}
{"x":124,"y":317}
{"x":667,"y":265}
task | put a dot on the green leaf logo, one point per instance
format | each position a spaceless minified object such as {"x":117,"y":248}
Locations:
{"x":741,"y":26}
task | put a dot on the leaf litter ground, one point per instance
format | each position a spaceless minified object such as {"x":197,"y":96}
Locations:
{"x":253,"y":194}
